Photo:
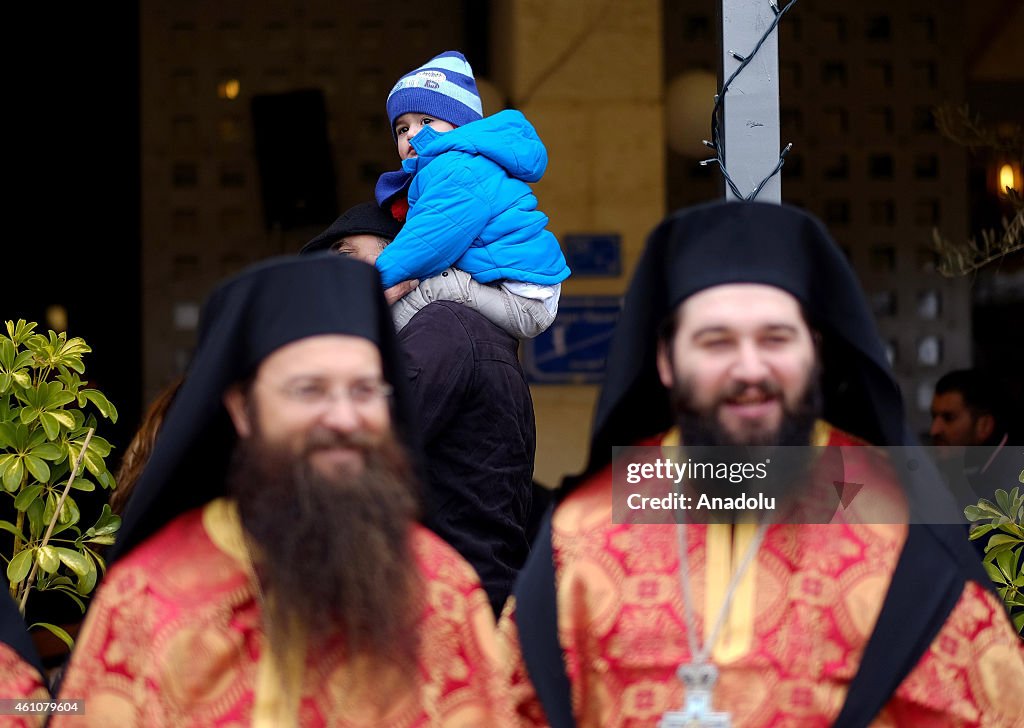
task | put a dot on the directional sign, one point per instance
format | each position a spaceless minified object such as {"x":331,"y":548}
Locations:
{"x":593,"y":255}
{"x":575,"y":348}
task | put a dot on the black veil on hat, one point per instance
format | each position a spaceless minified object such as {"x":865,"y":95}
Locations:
{"x":777,"y":245}
{"x":245,"y":319}
{"x":14,"y":633}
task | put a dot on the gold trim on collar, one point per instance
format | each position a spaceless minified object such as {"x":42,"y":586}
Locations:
{"x":724,"y":548}
{"x":224,"y":527}
{"x":277,"y":692}
{"x":821,"y":434}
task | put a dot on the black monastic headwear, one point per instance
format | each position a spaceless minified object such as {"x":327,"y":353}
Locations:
{"x":245,"y":319}
{"x":781,"y":246}
{"x":14,"y":633}
{"x":745,"y":242}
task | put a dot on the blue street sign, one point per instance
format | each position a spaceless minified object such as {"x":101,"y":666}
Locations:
{"x":593,"y":255}
{"x":575,"y":347}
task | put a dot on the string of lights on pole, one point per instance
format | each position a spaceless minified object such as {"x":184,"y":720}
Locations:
{"x":715,"y":142}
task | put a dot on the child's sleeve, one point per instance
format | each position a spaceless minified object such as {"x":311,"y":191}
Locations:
{"x":448,"y":216}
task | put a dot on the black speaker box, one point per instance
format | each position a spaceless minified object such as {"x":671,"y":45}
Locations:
{"x":296,"y":169}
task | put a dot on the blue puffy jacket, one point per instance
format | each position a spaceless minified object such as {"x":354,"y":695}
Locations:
{"x":470,"y":206}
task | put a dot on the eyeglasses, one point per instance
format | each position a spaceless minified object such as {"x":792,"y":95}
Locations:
{"x":318,"y":393}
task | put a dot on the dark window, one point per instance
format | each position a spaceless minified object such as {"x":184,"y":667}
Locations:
{"x":791,"y":28}
{"x":882,"y":212}
{"x":879,"y":73}
{"x":183,"y":82}
{"x":793,"y":168}
{"x":183,"y":130}
{"x":837,"y":212}
{"x":185,"y":174}
{"x":791,"y":120}
{"x":184,"y":221}
{"x":927,"y":211}
{"x":881,"y":118}
{"x":835,"y":27}
{"x":232,"y":220}
{"x":837,"y":120}
{"x":232,"y":177}
{"x":925,"y":74}
{"x":883,"y":303}
{"x":230,"y":32}
{"x":229,"y":129}
{"x":882,"y":258}
{"x":183,"y":34}
{"x":880,"y":166}
{"x":927,"y":260}
{"x":792,"y":73}
{"x":923,"y":27}
{"x":923,"y":119}
{"x":371,"y":40}
{"x":833,"y":73}
{"x":837,"y":168}
{"x":926,"y":166}
{"x":184,"y":266}
{"x":879,"y":27}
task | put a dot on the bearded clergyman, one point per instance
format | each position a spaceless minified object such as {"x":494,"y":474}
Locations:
{"x":270,"y":570}
{"x":744,"y":327}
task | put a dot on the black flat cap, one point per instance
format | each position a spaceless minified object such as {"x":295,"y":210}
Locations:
{"x":363,"y":219}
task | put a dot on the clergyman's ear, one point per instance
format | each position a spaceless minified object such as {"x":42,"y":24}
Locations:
{"x":665,"y":373}
{"x":235,"y":402}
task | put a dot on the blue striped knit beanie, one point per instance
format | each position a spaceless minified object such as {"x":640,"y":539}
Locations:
{"x":443,"y":87}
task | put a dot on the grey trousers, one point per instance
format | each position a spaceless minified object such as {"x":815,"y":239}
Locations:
{"x":522,"y":317}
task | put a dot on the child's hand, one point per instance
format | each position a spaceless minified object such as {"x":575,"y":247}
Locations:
{"x":398,"y":291}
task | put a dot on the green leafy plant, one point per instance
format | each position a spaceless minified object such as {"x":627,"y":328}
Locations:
{"x":46,"y":437}
{"x":1003,"y":553}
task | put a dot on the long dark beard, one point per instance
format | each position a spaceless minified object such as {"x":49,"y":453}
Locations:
{"x":703,"y":427}
{"x":331,"y":550}
{"x":706,"y":440}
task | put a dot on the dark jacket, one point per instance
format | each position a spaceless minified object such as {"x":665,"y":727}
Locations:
{"x":478,"y":433}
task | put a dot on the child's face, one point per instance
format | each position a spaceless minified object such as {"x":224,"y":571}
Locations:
{"x":409,"y":125}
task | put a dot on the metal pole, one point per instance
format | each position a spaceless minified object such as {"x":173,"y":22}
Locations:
{"x":751,"y":106}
